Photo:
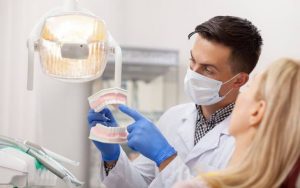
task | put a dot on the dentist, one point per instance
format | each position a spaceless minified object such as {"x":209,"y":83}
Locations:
{"x":193,"y":137}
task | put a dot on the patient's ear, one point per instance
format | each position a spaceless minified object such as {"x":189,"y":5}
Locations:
{"x":257,"y":113}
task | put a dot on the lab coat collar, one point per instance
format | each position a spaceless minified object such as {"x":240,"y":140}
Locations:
{"x":187,"y":129}
{"x":211,"y":140}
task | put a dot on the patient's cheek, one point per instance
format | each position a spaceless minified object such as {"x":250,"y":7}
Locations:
{"x":238,"y":121}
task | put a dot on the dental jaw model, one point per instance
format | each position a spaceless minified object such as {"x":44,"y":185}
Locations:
{"x":101,"y":99}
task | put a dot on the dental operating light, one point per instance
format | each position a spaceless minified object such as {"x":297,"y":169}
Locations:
{"x":73,"y":45}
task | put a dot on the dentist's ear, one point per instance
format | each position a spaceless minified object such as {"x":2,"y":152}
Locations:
{"x":257,"y":113}
{"x":241,"y":79}
{"x":235,"y":83}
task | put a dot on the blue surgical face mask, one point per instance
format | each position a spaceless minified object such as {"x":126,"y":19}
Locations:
{"x":203,"y":90}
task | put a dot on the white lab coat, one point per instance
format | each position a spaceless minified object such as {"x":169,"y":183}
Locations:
{"x":212,"y":152}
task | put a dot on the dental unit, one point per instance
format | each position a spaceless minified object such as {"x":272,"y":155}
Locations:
{"x":15,"y":169}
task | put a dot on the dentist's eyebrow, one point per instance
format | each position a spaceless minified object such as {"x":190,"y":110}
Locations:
{"x":192,"y":57}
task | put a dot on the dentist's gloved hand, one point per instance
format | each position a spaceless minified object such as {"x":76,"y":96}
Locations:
{"x":110,"y":152}
{"x":144,"y":137}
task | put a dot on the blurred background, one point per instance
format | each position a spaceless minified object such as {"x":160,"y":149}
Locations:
{"x":153,"y":36}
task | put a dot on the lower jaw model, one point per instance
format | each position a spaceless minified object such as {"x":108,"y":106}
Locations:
{"x":106,"y":134}
{"x":24,"y":164}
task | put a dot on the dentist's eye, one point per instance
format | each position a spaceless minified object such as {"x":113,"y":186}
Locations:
{"x":207,"y":70}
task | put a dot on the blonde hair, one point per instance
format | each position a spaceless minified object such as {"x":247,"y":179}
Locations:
{"x":275,"y":147}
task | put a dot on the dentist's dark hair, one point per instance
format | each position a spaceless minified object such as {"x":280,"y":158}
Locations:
{"x":240,"y":35}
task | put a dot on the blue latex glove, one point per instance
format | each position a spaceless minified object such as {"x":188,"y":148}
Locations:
{"x":109,"y":152}
{"x":144,"y":137}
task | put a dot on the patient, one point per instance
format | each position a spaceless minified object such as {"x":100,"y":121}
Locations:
{"x":266,"y":125}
